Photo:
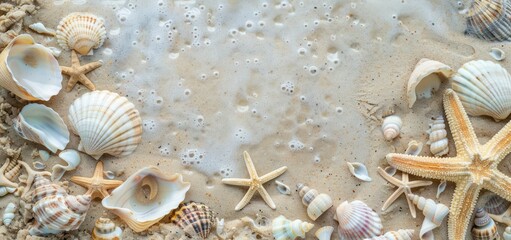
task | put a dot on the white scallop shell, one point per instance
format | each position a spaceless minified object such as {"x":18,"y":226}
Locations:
{"x":105,"y":229}
{"x":324,"y":233}
{"x":9,"y":215}
{"x":391,"y":127}
{"x":497,"y":54}
{"x":489,"y":20}
{"x":317,"y":203}
{"x":6,"y":190}
{"x":401,"y":234}
{"x":425,"y":79}
{"x":284,"y":229}
{"x":484,"y":227}
{"x":359,"y":170}
{"x":438,"y":142}
{"x":507,"y":233}
{"x":283,"y":188}
{"x":71,"y":157}
{"x":483,"y":88}
{"x":106,"y":123}
{"x":357,"y":221}
{"x":434,"y":214}
{"x":81,"y":32}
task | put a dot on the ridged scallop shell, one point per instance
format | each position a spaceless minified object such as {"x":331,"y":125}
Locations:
{"x":81,"y":32}
{"x":484,"y":227}
{"x":106,"y":123}
{"x":357,"y":221}
{"x":490,"y":20}
{"x":71,"y":157}
{"x":284,"y":229}
{"x":434,"y":214}
{"x":9,"y":215}
{"x":196,"y":219}
{"x":105,"y":229}
{"x":483,"y":88}
{"x":496,"y":205}
{"x":324,"y":233}
{"x":359,"y":171}
{"x":401,"y":234}
{"x":317,"y":203}
{"x":438,"y":142}
{"x":426,"y":79}
{"x":507,"y":233}
{"x":391,"y":127}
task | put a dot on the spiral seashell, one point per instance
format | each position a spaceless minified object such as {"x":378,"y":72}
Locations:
{"x":45,"y":188}
{"x":12,"y":170}
{"x":482,"y":87}
{"x":316,"y":203}
{"x":391,"y":127}
{"x":496,"y":205}
{"x":359,"y":171}
{"x":507,"y":233}
{"x":106,"y":123}
{"x":434,"y":214}
{"x":8,"y":216}
{"x":324,"y":233}
{"x":71,"y":157}
{"x":40,"y":28}
{"x":425,"y":79}
{"x":81,"y":32}
{"x":196,"y":219}
{"x":284,"y":229}
{"x":490,"y":20}
{"x":357,"y":221}
{"x":484,"y":227}
{"x":105,"y":229}
{"x":401,"y":234}
{"x":438,"y":142}
{"x":6,"y":190}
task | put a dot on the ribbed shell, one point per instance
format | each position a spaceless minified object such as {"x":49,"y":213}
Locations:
{"x":45,"y":188}
{"x":438,"y":142}
{"x":324,"y":233}
{"x":484,"y":227}
{"x":6,"y":190}
{"x":105,"y":229}
{"x":12,"y":170}
{"x":422,"y":83}
{"x":357,"y":221}
{"x":196,"y":219}
{"x":316,"y":203}
{"x":81,"y":32}
{"x":484,"y":88}
{"x":496,"y":205}
{"x":401,"y":234}
{"x":9,"y":215}
{"x":284,"y":229}
{"x":391,"y":127}
{"x":106,"y":123}
{"x":490,"y":20}
{"x":434,"y":213}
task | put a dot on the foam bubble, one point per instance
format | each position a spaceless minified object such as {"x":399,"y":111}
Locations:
{"x":123,"y":14}
{"x":149,"y":125}
{"x":192,"y":156}
{"x":288,"y":87}
{"x":295,"y":145}
{"x":242,"y":135}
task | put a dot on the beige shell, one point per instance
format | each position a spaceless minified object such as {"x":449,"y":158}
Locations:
{"x":9,"y":215}
{"x":434,"y":214}
{"x":507,"y":233}
{"x":484,"y":227}
{"x":106,"y":123}
{"x":426,"y":79}
{"x":72,"y":159}
{"x":6,"y":190}
{"x":196,"y":219}
{"x":490,"y":20}
{"x":29,"y":70}
{"x":391,"y":127}
{"x":81,"y":32}
{"x":284,"y":229}
{"x":324,"y":233}
{"x":317,"y":203}
{"x":401,"y":234}
{"x":497,"y":54}
{"x":438,"y":142}
{"x":357,"y":221}
{"x":105,"y":229}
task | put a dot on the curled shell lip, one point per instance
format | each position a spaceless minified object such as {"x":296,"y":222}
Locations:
{"x":71,"y":157}
{"x":359,"y":170}
{"x":422,"y":81}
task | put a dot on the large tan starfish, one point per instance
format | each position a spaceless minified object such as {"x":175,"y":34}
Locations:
{"x":97,"y":186}
{"x":473,"y":168}
{"x":77,"y":73}
{"x":255,"y":183}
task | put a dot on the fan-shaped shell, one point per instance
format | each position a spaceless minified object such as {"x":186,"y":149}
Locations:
{"x":438,"y":142}
{"x":490,"y":20}
{"x":401,"y":234}
{"x":391,"y":127}
{"x":9,"y":214}
{"x":317,"y":203}
{"x":484,"y":227}
{"x":483,"y":88}
{"x":196,"y":219}
{"x":81,"y":32}
{"x":496,"y":205}
{"x":324,"y":233}
{"x":284,"y":229}
{"x":434,"y":214}
{"x":357,"y":221}
{"x":105,"y":229}
{"x":359,"y":171}
{"x":106,"y":123}
{"x":425,"y":79}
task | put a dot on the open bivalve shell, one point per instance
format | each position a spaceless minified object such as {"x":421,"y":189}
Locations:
{"x":146,"y":197}
{"x":81,"y":32}
{"x":106,"y":123}
{"x":425,"y":79}
{"x":42,"y":125}
{"x":29,"y":70}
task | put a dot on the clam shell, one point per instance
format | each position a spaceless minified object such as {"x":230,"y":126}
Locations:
{"x":438,"y":142}
{"x":496,"y":205}
{"x":497,"y":54}
{"x":284,"y":229}
{"x":359,"y":170}
{"x":81,"y":32}
{"x":425,"y":79}
{"x":391,"y":127}
{"x":483,"y":88}
{"x":105,"y":229}
{"x":106,"y":123}
{"x":146,"y":197}
{"x":401,"y":234}
{"x":317,"y":203}
{"x":196,"y":219}
{"x":29,"y":70}
{"x":490,"y":20}
{"x":434,"y":214}
{"x":484,"y":227}
{"x":324,"y":233}
{"x":9,"y":215}
{"x":71,"y":157}
{"x":357,"y":221}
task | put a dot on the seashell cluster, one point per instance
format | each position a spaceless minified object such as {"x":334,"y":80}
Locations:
{"x":357,"y":221}
{"x":71,"y":157}
{"x":484,"y":227}
{"x":105,"y":229}
{"x":426,"y":79}
{"x":81,"y":32}
{"x":196,"y":219}
{"x":489,"y":20}
{"x":106,"y":123}
{"x":401,"y":234}
{"x":438,"y":142}
{"x":146,"y":197}
{"x":359,"y":171}
{"x":317,"y":203}
{"x":483,"y":87}
{"x":8,"y":216}
{"x":391,"y":127}
{"x":284,"y":229}
{"x":434,"y":214}
{"x":324,"y":233}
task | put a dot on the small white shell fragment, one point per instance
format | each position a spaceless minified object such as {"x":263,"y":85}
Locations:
{"x":497,"y":54}
{"x":324,"y":233}
{"x":391,"y":127}
{"x":40,"y":28}
{"x":109,"y":174}
{"x":9,"y":214}
{"x":71,"y":157}
{"x":425,"y":79}
{"x":55,"y":51}
{"x":283,"y":188}
{"x":441,"y":188}
{"x":39,"y":165}
{"x":359,"y":170}
{"x":391,"y":170}
{"x":6,"y":190}
{"x":220,"y":224}
{"x":45,"y":155}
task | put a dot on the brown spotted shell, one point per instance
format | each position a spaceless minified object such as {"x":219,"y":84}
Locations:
{"x":196,"y":219}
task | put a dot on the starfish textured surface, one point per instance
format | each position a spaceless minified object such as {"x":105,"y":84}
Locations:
{"x":255,"y":183}
{"x":97,"y":186}
{"x":472,"y":169}
{"x":77,"y":73}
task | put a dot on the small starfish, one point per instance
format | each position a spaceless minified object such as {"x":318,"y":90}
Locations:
{"x":255,"y":183}
{"x":97,"y":186}
{"x":472,"y":169}
{"x":31,"y":176}
{"x":4,"y":181}
{"x":77,"y":73}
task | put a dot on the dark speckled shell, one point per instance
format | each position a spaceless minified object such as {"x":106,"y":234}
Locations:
{"x":196,"y":219}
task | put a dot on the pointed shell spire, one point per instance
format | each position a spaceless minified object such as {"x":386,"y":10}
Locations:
{"x":484,"y":227}
{"x":434,"y":214}
{"x":284,"y":229}
{"x":317,"y":203}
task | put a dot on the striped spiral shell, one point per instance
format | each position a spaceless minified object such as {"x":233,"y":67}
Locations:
{"x":391,"y":127}
{"x":81,"y":32}
{"x":317,"y":203}
{"x":357,"y":221}
{"x":196,"y":219}
{"x":12,"y":170}
{"x":484,"y":227}
{"x":434,"y":214}
{"x":105,"y":229}
{"x":438,"y":142}
{"x":496,"y":205}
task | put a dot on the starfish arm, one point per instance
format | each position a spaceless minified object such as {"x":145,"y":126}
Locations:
{"x":273,"y":174}
{"x":82,"y":181}
{"x":438,"y":168}
{"x":389,"y":178}
{"x":266,"y":197}
{"x":411,"y":206}
{"x":250,"y":165}
{"x":414,"y":184}
{"x":499,"y":184}
{"x":462,"y":206}
{"x":500,"y":145}
{"x":392,"y":198}
{"x":109,"y":184}
{"x":244,"y":201}
{"x":90,"y":66}
{"x":233,"y":181}
{"x":71,"y":82}
{"x":86,"y":82}
{"x":66,"y":70}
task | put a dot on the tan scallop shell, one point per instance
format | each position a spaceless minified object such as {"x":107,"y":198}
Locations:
{"x":490,"y":20}
{"x":81,"y":32}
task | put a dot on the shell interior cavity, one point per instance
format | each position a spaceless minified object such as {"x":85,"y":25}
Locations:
{"x":359,"y":170}
{"x":71,"y":157}
{"x":283,"y":188}
{"x":81,"y":32}
{"x":497,"y":54}
{"x":324,"y":233}
{"x":426,"y":79}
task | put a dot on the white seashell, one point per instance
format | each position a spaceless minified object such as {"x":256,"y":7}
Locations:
{"x":483,"y":88}
{"x":438,"y":142}
{"x":489,"y":20}
{"x":391,"y":170}
{"x":283,"y":188}
{"x":401,"y":234}
{"x":55,"y":51}
{"x":146,"y":197}
{"x":220,"y":224}
{"x":29,"y":70}
{"x":414,"y":148}
{"x":45,"y":155}
{"x":507,"y":233}
{"x":81,"y":32}
{"x":8,"y":216}
{"x":6,"y":190}
{"x":441,"y":188}
{"x":425,"y":79}
{"x":71,"y":157}
{"x":284,"y":229}
{"x":357,"y":221}
{"x":109,"y":174}
{"x":391,"y":127}
{"x":316,"y":203}
{"x":39,"y":165}
{"x":359,"y":170}
{"x":324,"y":233}
{"x":40,"y":28}
{"x":105,"y":229}
{"x":497,"y":54}
{"x":484,"y":227}
{"x":42,"y":125}
{"x":434,"y":214}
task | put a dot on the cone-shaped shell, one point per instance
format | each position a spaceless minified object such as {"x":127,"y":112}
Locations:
{"x":284,"y":229}
{"x":196,"y":219}
{"x":317,"y":203}
{"x":484,"y":227}
{"x":146,"y":197}
{"x":357,"y":221}
{"x":425,"y":79}
{"x":483,"y":88}
{"x":401,"y":234}
{"x":434,"y":213}
{"x":105,"y":229}
{"x":106,"y":123}
{"x":45,"y":188}
{"x":391,"y":127}
{"x":42,"y":125}
{"x":81,"y":32}
{"x":324,"y":233}
{"x":438,"y":142}
{"x":9,"y":214}
{"x":29,"y":70}
{"x":490,"y":20}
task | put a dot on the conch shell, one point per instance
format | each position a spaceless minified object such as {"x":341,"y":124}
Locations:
{"x":434,"y":214}
{"x":316,"y":203}
{"x":81,"y":32}
{"x":284,"y":229}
